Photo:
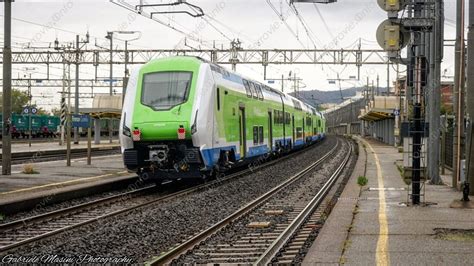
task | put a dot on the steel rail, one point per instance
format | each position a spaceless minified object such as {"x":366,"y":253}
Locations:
{"x":169,"y":256}
{"x":89,"y":206}
{"x":50,"y":216}
{"x":285,"y":236}
{"x":57,"y":156}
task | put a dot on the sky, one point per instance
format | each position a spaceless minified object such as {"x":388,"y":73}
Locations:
{"x":38,"y":23}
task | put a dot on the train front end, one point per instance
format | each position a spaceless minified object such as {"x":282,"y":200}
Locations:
{"x":156,"y":125}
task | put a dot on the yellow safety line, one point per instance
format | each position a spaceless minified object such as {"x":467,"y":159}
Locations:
{"x":61,"y":183}
{"x":382,"y":254}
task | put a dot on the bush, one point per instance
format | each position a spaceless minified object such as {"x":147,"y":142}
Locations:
{"x":362,"y":181}
{"x":29,"y":169}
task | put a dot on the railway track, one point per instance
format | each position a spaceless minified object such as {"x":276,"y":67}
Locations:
{"x":32,"y":229}
{"x":47,"y":140}
{"x":267,"y":230}
{"x":53,"y":155}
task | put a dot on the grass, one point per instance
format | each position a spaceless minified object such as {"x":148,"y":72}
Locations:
{"x":362,"y":181}
{"x":2,"y":217}
{"x":29,"y":170}
{"x":342,"y":260}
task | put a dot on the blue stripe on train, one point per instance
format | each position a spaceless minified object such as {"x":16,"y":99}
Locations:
{"x":211,"y":156}
{"x":288,"y":140}
{"x":299,"y":143}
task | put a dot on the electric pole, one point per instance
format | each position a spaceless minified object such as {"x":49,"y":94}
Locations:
{"x":30,"y":97}
{"x":76,"y":95}
{"x":126,"y":73}
{"x":470,"y":96}
{"x":459,"y":80}
{"x":76,"y":92}
{"x":434,"y":95}
{"x":7,"y":90}
{"x":110,"y":36}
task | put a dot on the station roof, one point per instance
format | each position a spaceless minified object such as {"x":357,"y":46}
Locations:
{"x":102,"y":112}
{"x":377,"y":114}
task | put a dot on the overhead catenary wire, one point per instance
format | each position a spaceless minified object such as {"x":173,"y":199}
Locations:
{"x":324,"y":21}
{"x":309,"y":32}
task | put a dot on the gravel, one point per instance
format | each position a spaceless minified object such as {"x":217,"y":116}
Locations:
{"x":298,"y":194}
{"x":44,"y":208}
{"x":143,"y":233}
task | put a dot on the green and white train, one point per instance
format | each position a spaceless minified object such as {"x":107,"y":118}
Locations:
{"x":184,"y":117}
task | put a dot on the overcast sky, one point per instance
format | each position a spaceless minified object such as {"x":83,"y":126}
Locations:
{"x":254,"y":22}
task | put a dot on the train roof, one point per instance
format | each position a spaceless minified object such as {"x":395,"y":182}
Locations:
{"x":266,"y":88}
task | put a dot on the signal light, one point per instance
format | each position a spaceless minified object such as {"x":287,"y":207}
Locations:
{"x":137,"y":134}
{"x":181,"y":132}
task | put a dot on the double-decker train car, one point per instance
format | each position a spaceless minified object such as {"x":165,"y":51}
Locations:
{"x":184,"y":117}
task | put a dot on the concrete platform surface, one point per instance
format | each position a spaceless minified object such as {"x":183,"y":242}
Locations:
{"x":374,"y":226}
{"x":54,"y":145}
{"x":55,"y":177}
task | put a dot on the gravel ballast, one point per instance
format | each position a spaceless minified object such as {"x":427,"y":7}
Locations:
{"x":297,"y":194}
{"x":144,"y":233}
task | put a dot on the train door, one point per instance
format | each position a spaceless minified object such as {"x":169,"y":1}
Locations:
{"x":242,"y":132}
{"x":270,"y":131}
{"x":294,"y":132}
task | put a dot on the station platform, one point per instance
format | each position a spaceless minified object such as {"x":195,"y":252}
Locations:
{"x":55,"y":182}
{"x":374,"y":225}
{"x":53,"y":145}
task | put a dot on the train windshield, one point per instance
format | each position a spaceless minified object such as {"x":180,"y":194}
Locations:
{"x":164,"y":90}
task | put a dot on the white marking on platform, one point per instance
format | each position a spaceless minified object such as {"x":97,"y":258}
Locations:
{"x":386,"y":189}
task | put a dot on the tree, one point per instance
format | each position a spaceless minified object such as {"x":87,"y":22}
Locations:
{"x":20,"y":99}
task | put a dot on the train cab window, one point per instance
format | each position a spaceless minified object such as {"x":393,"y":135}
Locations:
{"x":255,"y":135}
{"x":319,"y":123}
{"x":165,"y":90}
{"x":260,"y":135}
{"x":247,"y":88}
